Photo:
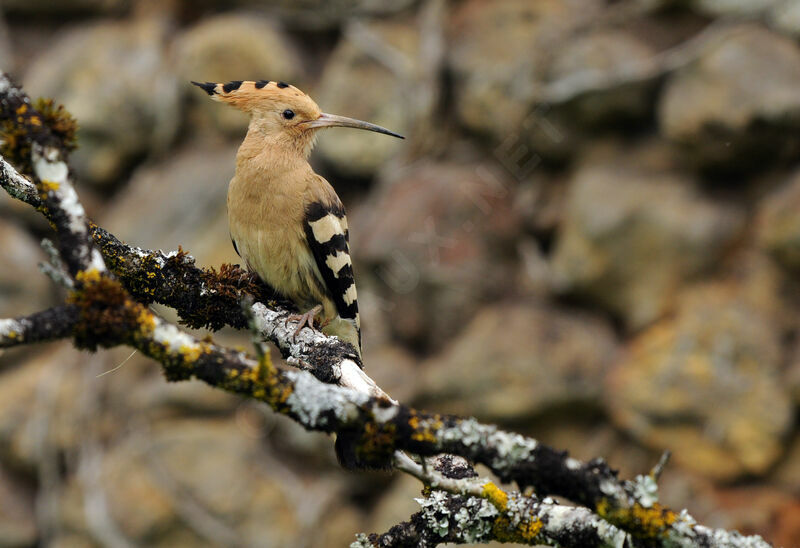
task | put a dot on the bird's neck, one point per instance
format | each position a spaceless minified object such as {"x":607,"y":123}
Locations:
{"x":273,"y":154}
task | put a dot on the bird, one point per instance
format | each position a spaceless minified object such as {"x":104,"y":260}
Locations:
{"x":286,"y":222}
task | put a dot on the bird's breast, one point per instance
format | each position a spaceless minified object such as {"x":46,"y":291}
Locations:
{"x":265,"y":222}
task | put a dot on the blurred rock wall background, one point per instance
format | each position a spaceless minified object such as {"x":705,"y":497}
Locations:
{"x":591,"y":235}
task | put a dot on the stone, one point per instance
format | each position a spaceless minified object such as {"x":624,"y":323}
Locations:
{"x":783,"y":522}
{"x":749,"y":507}
{"x":778,"y":224}
{"x":735,"y":107}
{"x":147,"y":481}
{"x":631,"y":235}
{"x":356,"y":85}
{"x":337,"y":528}
{"x":435,"y":240}
{"x":396,"y":504}
{"x":596,"y":80}
{"x":785,"y":17}
{"x":6,"y":48}
{"x":29,"y":394}
{"x":540,"y":201}
{"x":793,"y":373}
{"x":72,"y":8}
{"x":516,"y":360}
{"x":787,"y":472}
{"x":46,"y":402}
{"x":17,"y":514}
{"x":604,"y":77}
{"x":138,"y":385}
{"x":199,"y":224}
{"x":706,"y":384}
{"x":70,"y":540}
{"x":792,"y":383}
{"x":113,"y":78}
{"x":394,"y":369}
{"x":328,"y":14}
{"x":293,"y":443}
{"x":233,"y":46}
{"x":493,"y":82}
{"x":762,"y":510}
{"x":734,"y":8}
{"x":555,"y":83}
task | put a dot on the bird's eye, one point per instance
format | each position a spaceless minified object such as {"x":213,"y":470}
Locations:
{"x":288,"y":114}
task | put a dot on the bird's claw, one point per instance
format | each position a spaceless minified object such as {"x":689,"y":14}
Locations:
{"x":304,"y":320}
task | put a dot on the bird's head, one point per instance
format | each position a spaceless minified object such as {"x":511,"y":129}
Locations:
{"x":283,"y":114}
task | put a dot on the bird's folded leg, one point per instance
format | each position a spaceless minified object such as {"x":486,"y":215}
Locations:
{"x":304,"y":320}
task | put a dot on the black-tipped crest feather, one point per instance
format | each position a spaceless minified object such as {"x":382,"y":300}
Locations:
{"x":231,"y":86}
{"x":208,"y":87}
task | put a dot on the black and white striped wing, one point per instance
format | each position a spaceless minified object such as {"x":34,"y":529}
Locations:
{"x":328,"y":238}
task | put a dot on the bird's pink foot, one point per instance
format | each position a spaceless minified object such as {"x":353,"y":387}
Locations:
{"x":304,"y":320}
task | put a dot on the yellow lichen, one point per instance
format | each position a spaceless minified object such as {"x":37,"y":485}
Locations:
{"x":531,"y":529}
{"x":424,"y":431}
{"x":60,"y":122}
{"x":107,"y":314}
{"x":88,"y":276}
{"x":649,"y":522}
{"x":279,"y":397}
{"x":146,"y":321}
{"x":265,"y":367}
{"x":525,"y":532}
{"x":15,"y":131}
{"x":260,"y":382}
{"x":191,"y":353}
{"x":376,"y":444}
{"x":49,"y":186}
{"x":495,"y":495}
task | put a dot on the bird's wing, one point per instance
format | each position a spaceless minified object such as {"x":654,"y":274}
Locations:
{"x":329,"y":241}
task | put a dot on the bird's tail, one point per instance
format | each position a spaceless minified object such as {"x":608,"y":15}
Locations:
{"x":346,"y":330}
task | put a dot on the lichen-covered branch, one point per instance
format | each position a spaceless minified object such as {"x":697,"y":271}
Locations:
{"x":211,"y":298}
{"x":107,"y":307}
{"x":202,"y":297}
{"x":47,"y":325}
{"x":461,"y":507}
{"x":18,"y":186}
{"x":523,"y":520}
{"x":30,"y":132}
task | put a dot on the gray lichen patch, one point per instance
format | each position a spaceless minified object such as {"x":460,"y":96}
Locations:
{"x":316,"y":403}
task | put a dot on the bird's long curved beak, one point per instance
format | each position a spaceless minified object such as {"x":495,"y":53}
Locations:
{"x":333,"y":120}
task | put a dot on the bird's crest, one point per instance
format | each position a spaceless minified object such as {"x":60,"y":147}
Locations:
{"x":252,"y":96}
{"x":266,"y":101}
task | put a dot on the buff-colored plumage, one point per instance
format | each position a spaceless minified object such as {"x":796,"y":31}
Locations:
{"x":286,"y":222}
{"x":277,"y":250}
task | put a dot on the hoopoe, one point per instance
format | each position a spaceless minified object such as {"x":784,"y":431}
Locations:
{"x":286,"y":222}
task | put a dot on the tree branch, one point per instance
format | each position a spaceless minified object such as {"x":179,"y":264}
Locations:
{"x":47,"y":325}
{"x":524,"y":520}
{"x":18,"y":186}
{"x":207,"y":298}
{"x":109,"y":311}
